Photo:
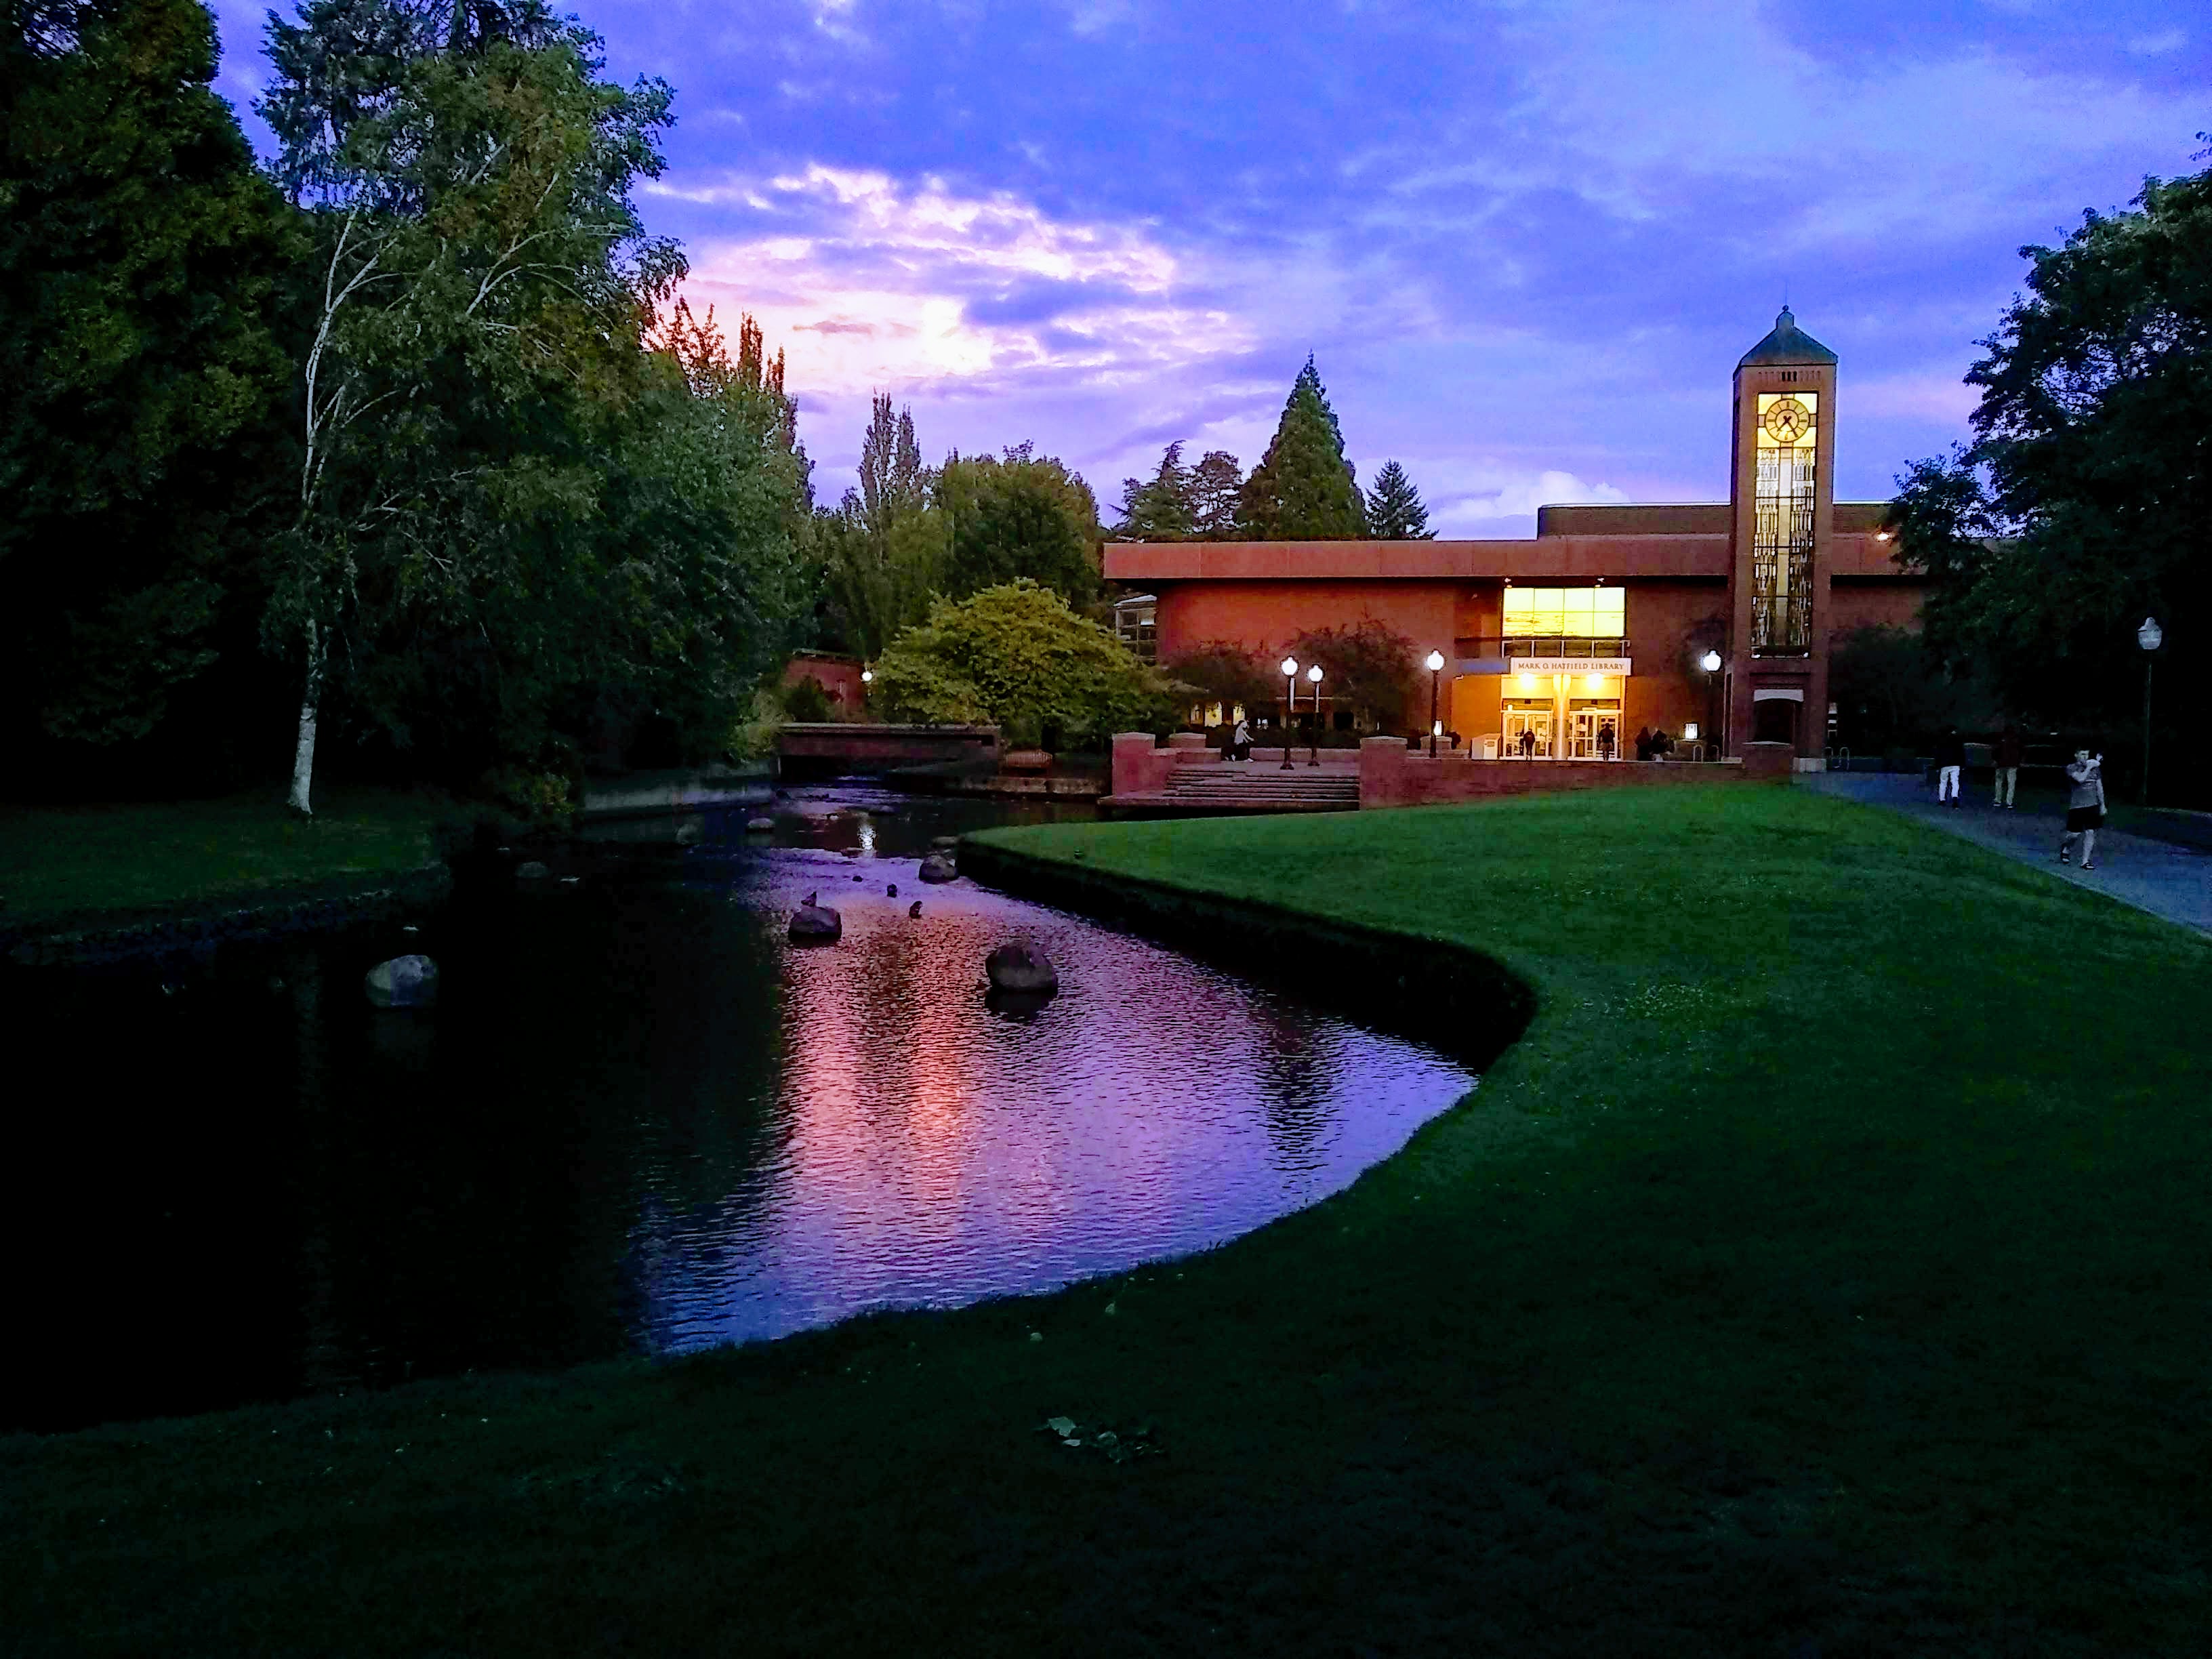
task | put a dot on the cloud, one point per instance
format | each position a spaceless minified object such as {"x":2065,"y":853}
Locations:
{"x":2158,"y":45}
{"x":877,"y":284}
{"x":1474,"y":496}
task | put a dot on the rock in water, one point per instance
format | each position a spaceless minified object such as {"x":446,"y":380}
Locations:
{"x":914,"y":908}
{"x":1020,"y":966}
{"x":403,"y":982}
{"x":817,"y":924}
{"x":688,"y":835}
{"x":938,"y":867}
{"x":892,"y":891}
{"x":760,"y":826}
{"x":532,"y":871}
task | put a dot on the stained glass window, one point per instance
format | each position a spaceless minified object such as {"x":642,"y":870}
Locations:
{"x":1787,"y":433}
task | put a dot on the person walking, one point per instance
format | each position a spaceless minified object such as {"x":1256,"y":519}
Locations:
{"x":1950,"y":758}
{"x":2010,"y":746}
{"x":2085,"y":808}
{"x":1644,"y":742}
{"x":1605,"y":740}
{"x":1240,"y":741}
{"x":1528,"y":743}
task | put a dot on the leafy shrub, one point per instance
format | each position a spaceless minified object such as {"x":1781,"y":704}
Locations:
{"x":1015,"y":656}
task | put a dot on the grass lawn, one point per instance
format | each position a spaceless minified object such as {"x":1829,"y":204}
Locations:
{"x":1826,"y":1271}
{"x":78,"y":863}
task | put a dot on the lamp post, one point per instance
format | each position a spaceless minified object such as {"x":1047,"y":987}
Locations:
{"x":1289,"y":667}
{"x":1710,"y":662}
{"x":2150,"y":636}
{"x":1436,"y":666}
{"x":1313,"y":678}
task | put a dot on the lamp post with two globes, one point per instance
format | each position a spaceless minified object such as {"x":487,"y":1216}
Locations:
{"x":1289,"y":667}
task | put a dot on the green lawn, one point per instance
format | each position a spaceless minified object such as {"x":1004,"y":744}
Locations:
{"x":79,"y":863}
{"x":1826,"y":1271}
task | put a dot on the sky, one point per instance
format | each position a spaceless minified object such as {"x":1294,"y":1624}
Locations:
{"x":1525,"y":240}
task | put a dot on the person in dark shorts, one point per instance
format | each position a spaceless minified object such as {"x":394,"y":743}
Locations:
{"x":2085,"y":808}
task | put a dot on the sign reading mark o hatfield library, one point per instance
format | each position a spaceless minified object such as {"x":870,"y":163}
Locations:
{"x":1568,"y":665}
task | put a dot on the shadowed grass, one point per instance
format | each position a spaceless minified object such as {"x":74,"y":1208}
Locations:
{"x":1826,"y":1271}
{"x":85,"y":863}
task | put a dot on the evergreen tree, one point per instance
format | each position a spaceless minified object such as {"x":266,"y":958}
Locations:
{"x":1394,"y":511}
{"x":1303,"y":488}
{"x":1159,"y":509}
{"x":142,"y":378}
{"x":1216,"y":482}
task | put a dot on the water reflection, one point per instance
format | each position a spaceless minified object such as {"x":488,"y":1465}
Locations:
{"x":640,"y":1120}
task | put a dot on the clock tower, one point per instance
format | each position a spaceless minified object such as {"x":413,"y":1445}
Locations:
{"x":1782,"y":500}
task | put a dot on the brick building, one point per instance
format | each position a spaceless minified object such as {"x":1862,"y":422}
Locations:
{"x":1712,"y":622}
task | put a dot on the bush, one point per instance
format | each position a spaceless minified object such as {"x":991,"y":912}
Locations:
{"x":804,"y":701}
{"x":1016,"y":657}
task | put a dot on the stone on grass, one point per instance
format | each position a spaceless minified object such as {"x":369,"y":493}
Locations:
{"x":1019,"y":966}
{"x":403,"y":982}
{"x":937,"y":867}
{"x":817,"y":924}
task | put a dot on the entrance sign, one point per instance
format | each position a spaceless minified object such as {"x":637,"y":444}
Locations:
{"x":1570,"y":664}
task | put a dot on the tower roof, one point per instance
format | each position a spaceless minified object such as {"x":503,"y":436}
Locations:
{"x":1787,"y":344}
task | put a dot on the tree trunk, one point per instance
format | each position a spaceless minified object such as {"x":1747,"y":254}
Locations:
{"x":303,"y":754}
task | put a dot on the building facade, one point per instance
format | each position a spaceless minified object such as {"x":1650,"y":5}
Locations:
{"x":1712,"y":624}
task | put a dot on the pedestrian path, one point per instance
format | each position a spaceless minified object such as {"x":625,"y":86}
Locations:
{"x":2168,"y":881}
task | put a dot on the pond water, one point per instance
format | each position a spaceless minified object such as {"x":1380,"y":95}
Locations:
{"x":640,"y":1122}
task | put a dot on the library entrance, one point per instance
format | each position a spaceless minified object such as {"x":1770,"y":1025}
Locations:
{"x":1535,"y":719}
{"x":1594,"y":730}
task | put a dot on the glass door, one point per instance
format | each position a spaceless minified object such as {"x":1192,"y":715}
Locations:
{"x":1593,"y":734}
{"x":1536,"y":724}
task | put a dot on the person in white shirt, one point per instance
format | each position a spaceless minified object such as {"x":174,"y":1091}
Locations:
{"x":2085,"y":808}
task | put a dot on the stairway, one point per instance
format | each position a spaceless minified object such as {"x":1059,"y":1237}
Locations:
{"x":1251,"y":787}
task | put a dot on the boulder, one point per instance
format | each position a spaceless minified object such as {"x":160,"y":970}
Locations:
{"x":760,"y":826}
{"x":688,"y":835}
{"x":817,"y":924}
{"x":532,"y":871}
{"x":403,"y":982}
{"x":937,"y":867}
{"x":1020,"y":966}
{"x":914,"y":908}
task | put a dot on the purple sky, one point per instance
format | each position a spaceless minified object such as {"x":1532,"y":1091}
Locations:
{"x":1526,"y":242}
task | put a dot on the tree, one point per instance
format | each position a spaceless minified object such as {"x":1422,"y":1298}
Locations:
{"x":1159,"y":509}
{"x":1216,"y":484}
{"x":1016,"y":656}
{"x":2083,"y":502}
{"x":1224,"y":671}
{"x":1303,"y":488}
{"x":1018,"y":514}
{"x":882,"y":550}
{"x":1395,"y":511}
{"x":142,"y":373}
{"x":472,"y":393}
{"x":1369,"y":665}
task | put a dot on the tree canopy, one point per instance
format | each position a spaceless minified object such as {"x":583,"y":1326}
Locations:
{"x":1016,"y":656}
{"x":1368,"y":665}
{"x":142,"y":268}
{"x":1018,"y":514}
{"x":2083,"y":502}
{"x":1303,"y":488}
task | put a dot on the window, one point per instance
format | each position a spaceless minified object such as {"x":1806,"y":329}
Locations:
{"x":1136,"y":625}
{"x":1788,"y":434}
{"x":1586,"y":613}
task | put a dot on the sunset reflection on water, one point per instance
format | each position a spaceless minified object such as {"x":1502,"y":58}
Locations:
{"x":930,"y":1151}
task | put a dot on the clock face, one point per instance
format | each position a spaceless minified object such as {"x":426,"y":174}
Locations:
{"x":1787,"y":421}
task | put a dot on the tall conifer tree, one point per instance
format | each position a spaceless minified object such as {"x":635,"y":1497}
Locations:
{"x":1303,"y":490}
{"x":1395,"y":509}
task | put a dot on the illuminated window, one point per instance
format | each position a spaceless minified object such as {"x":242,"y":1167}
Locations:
{"x":1788,"y":435}
{"x":1586,"y":613}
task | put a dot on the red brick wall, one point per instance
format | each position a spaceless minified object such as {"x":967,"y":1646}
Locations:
{"x":1392,"y":774}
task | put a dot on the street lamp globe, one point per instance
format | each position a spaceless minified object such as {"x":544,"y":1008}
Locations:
{"x":2150,"y":636}
{"x":867,"y":676}
{"x":1710,"y":662}
{"x":1290,"y":666}
{"x":1314,"y":673}
{"x":1435,"y":662}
